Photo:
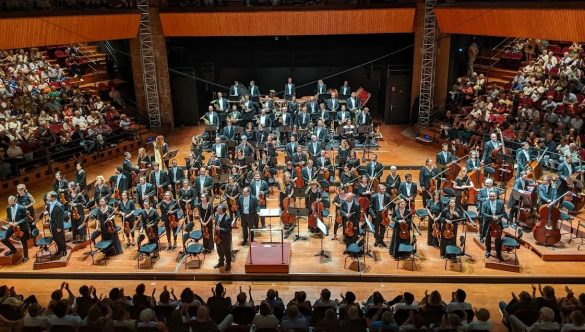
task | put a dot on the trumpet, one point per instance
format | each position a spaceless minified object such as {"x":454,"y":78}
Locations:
{"x":205,"y":119}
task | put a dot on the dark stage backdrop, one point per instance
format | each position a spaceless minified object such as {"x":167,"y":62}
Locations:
{"x":270,"y":60}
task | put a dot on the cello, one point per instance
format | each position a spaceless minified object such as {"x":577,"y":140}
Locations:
{"x":504,"y":171}
{"x":547,"y":231}
{"x":299,"y":182}
{"x":364,"y":204}
{"x":316,"y":212}
{"x":286,"y":217}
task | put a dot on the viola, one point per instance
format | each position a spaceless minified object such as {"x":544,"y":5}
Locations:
{"x":216,"y":236}
{"x":495,"y":229}
{"x":404,"y":231}
{"x":385,"y":218}
{"x":448,"y":231}
{"x":173,"y":222}
{"x":262,"y":199}
{"x":349,"y":231}
{"x":547,"y":231}
{"x":285,"y":217}
{"x":436,"y":230}
{"x":18,"y":233}
{"x":150,"y":233}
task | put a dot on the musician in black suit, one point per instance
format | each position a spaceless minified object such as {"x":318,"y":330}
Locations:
{"x":320,"y":131}
{"x":450,"y":216}
{"x":203,"y":182}
{"x":345,"y":90}
{"x":228,"y":133}
{"x":489,"y":147}
{"x":350,"y":211}
{"x":323,"y":163}
{"x":492,"y":211}
{"x":56,"y":214}
{"x":144,"y":191}
{"x":258,"y":188}
{"x":299,"y":158}
{"x":333,"y":103}
{"x":374,"y":168}
{"x":353,"y":102}
{"x":379,"y":202}
{"x":248,"y":206}
{"x":444,"y":157}
{"x":236,"y":91}
{"x":119,"y":181}
{"x":291,"y":147}
{"x":158,"y":178}
{"x":60,"y":186}
{"x":322,"y":114}
{"x":314,"y":147}
{"x":80,"y":176}
{"x":427,"y":173}
{"x":303,"y":118}
{"x":222,"y":104}
{"x":223,"y":225}
{"x":546,"y":191}
{"x":407,"y":189}
{"x":219,"y":148}
{"x":312,"y":105}
{"x":176,"y":176}
{"x":364,"y":117}
{"x":308,"y":172}
{"x":127,"y":167}
{"x":343,"y":115}
{"x":289,"y":89}
{"x":254,"y":91}
{"x":16,"y":215}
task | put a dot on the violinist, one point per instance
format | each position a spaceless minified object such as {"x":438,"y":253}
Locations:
{"x":245,"y":147}
{"x":76,"y":209}
{"x":434,"y":208}
{"x":392,"y":184}
{"x":379,"y":203}
{"x":523,"y":159}
{"x":350,"y":210}
{"x":106,"y":225}
{"x":407,"y":189}
{"x":427,"y":173}
{"x":144,"y":191}
{"x":270,"y":146}
{"x":348,"y":131}
{"x":303,"y":119}
{"x":159,"y":179}
{"x":126,"y":209}
{"x":461,"y":185}
{"x":449,"y":222}
{"x":342,"y":116}
{"x":231,"y":193}
{"x":149,"y":222}
{"x":205,"y":210}
{"x":187,"y":196}
{"x":444,"y":157}
{"x":400,"y":216}
{"x":223,"y":227}
{"x":119,"y":182}
{"x":308,"y":172}
{"x":347,"y":179}
{"x":320,"y":131}
{"x":202,"y":183}
{"x":364,"y":188}
{"x":144,"y":160}
{"x":314,"y":147}
{"x":228,"y":133}
{"x":291,"y":147}
{"x":521,"y":186}
{"x":299,"y":158}
{"x":240,"y":161}
{"x":219,"y":148}
{"x":474,"y":162}
{"x":494,"y":217}
{"x":338,"y":202}
{"x":354,"y":162}
{"x":80,"y":176}
{"x":374,"y":168}
{"x":248,"y":206}
{"x":168,"y":210}
{"x":259,"y":189}
{"x":100,"y":190}
{"x":17,"y":216}
{"x":343,"y":153}
{"x":60,"y":186}
{"x":546,"y":191}
{"x":484,"y":193}
{"x":176,"y":176}
{"x":312,"y":195}
{"x":214,"y":166}
{"x":489,"y":147}
{"x":56,"y":213}
{"x":24,"y":198}
{"x":324,"y":166}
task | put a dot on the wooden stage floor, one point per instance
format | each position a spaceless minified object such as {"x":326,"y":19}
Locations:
{"x":395,"y":149}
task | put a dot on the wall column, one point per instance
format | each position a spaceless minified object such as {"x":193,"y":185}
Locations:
{"x":442,"y":69}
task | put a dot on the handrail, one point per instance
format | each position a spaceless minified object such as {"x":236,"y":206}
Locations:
{"x":135,"y":111}
{"x":111,"y":50}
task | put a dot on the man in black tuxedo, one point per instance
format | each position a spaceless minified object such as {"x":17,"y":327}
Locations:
{"x":144,"y":190}
{"x":492,"y":211}
{"x":223,"y":225}
{"x":350,"y":211}
{"x":119,"y":181}
{"x":56,"y":214}
{"x":128,"y":168}
{"x":176,"y":176}
{"x":247,"y":206}
{"x":17,"y":215}
{"x":158,"y":178}
{"x":379,"y":203}
{"x":219,"y":148}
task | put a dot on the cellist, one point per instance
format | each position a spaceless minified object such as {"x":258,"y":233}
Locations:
{"x":313,"y":194}
{"x":449,"y":225}
{"x":492,"y":211}
{"x":427,"y":173}
{"x":400,"y":216}
{"x":379,"y":203}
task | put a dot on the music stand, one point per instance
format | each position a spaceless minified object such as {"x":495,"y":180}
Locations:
{"x":369,"y":228}
{"x":298,"y":212}
{"x":323,"y":228}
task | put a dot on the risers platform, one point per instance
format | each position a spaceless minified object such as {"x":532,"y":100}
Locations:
{"x":567,"y":250}
{"x":268,"y":258}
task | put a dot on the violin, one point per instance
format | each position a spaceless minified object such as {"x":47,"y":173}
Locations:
{"x":464,"y":197}
{"x":448,"y":230}
{"x":216,"y":235}
{"x":349,"y":231}
{"x":126,"y":225}
{"x":364,"y":204}
{"x":173,"y":222}
{"x":18,"y":233}
{"x":150,"y":233}
{"x":110,"y":225}
{"x":262,"y":199}
{"x":285,"y":217}
{"x":495,"y":229}
{"x":385,"y":218}
{"x":233,"y":205}
{"x":117,"y":194}
{"x":160,"y":193}
{"x":436,"y":230}
{"x":75,"y":214}
{"x":547,"y":231}
{"x":404,"y":231}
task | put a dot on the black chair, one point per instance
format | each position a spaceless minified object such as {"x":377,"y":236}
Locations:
{"x":304,"y":311}
{"x":455,"y":252}
{"x":407,"y":251}
{"x":44,"y":243}
{"x":510,"y":244}
{"x":527,"y":316}
{"x":148,"y":250}
{"x":122,"y":329}
{"x":32,"y":329}
{"x":401,"y":315}
{"x":354,"y":252}
{"x":192,"y":249}
{"x":100,"y":247}
{"x":318,"y":315}
{"x":243,"y":315}
{"x":62,"y":328}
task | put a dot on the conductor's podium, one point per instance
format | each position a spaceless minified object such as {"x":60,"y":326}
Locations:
{"x":268,"y":257}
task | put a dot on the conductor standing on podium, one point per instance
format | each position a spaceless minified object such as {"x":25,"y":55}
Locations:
{"x":223,"y":226}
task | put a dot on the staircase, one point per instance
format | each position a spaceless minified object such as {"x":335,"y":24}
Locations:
{"x":500,"y":63}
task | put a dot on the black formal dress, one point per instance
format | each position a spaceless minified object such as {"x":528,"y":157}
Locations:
{"x":396,"y":239}
{"x":102,"y":216}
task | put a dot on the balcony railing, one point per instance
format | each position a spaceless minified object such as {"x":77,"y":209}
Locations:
{"x":48,"y":6}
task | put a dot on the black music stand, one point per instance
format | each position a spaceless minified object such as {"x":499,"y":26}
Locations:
{"x":298,"y":212}
{"x":371,"y":229}
{"x":325,"y":230}
{"x":211,"y":130}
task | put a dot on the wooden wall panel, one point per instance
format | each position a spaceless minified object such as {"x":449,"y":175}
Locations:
{"x":552,"y":24}
{"x":288,"y":23}
{"x":56,"y":30}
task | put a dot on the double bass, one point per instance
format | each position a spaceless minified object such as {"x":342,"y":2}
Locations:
{"x":299,"y":182}
{"x":364,"y":204}
{"x":504,"y":171}
{"x":286,"y":217}
{"x":547,"y":231}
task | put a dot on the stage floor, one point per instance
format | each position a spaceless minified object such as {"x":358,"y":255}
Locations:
{"x":395,"y":149}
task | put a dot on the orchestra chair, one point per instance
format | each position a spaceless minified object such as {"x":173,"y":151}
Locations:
{"x":566,"y":209}
{"x":196,"y":235}
{"x":44,"y":243}
{"x":192,"y":248}
{"x":100,"y":247}
{"x":448,"y":193}
{"x":149,"y":250}
{"x":510,"y":244}
{"x":455,"y":252}
{"x":489,"y":172}
{"x":407,"y":251}
{"x":354,"y":252}
{"x":421,"y":214}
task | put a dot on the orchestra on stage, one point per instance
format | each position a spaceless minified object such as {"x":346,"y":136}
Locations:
{"x":329,"y":171}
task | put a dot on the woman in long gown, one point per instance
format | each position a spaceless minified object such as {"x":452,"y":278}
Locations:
{"x":401,"y":215}
{"x":434,"y":208}
{"x":206,"y":217}
{"x":104,"y":214}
